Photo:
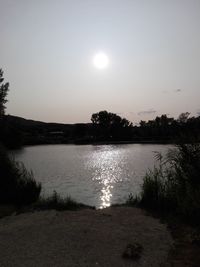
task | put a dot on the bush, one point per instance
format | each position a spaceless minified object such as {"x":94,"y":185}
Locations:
{"x":174,"y":185}
{"x":17,"y":185}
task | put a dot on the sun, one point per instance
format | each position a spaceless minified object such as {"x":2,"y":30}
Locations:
{"x":100,"y":60}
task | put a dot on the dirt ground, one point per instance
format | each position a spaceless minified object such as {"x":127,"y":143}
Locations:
{"x":84,"y":238}
{"x":186,"y":249}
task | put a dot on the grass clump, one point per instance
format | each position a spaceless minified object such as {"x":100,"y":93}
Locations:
{"x":17,"y":185}
{"x":174,"y":185}
{"x":55,"y":201}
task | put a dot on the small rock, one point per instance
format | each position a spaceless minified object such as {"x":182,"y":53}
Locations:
{"x":133,"y":251}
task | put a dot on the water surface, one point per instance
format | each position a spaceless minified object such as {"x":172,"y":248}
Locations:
{"x":94,"y":175}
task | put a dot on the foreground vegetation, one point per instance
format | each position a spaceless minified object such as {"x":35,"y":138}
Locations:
{"x":17,"y":185}
{"x":173,"y":186}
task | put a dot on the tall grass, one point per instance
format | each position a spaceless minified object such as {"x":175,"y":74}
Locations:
{"x":174,"y":185}
{"x":17,"y":185}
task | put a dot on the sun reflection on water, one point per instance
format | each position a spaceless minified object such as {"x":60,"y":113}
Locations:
{"x":108,"y":165}
{"x":106,"y":196}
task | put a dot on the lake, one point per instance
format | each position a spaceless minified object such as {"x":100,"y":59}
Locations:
{"x":96,"y":175}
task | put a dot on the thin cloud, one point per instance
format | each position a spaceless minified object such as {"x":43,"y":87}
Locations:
{"x":147,"y":112}
{"x":175,"y":91}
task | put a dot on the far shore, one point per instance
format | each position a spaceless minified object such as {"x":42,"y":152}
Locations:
{"x":99,"y":143}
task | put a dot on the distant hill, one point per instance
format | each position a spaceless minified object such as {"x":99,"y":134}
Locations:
{"x":27,"y":125}
{"x":37,"y":132}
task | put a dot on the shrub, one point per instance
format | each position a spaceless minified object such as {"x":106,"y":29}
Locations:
{"x":17,"y":185}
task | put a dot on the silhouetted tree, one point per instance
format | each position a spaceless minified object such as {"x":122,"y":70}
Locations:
{"x":10,"y":136}
{"x":4,"y":87}
{"x":110,"y":126}
{"x":142,"y":123}
{"x":183,"y":117}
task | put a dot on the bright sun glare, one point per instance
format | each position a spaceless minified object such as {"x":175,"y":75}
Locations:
{"x":100,"y":60}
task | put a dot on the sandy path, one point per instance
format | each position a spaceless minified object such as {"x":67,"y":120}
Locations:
{"x":82,"y":238}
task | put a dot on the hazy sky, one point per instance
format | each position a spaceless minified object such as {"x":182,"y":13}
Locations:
{"x":47,"y":49}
